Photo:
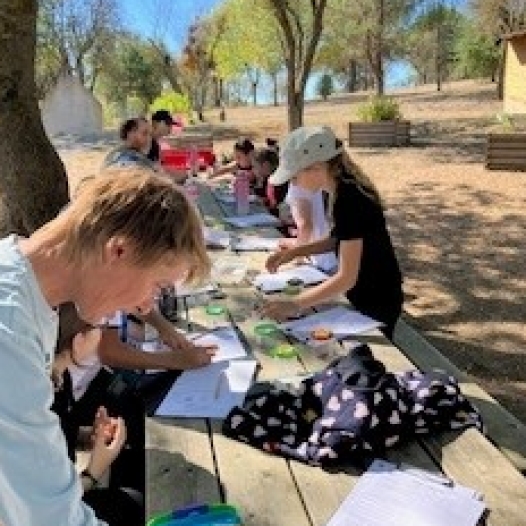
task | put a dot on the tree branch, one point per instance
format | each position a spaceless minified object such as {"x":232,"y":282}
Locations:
{"x":170,"y":69}
{"x":317,"y":28}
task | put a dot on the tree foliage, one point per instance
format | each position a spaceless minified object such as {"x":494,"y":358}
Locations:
{"x":173,"y":102}
{"x":136,"y":72}
{"x":432,"y":40}
{"x":477,"y":54}
{"x":360,"y":36}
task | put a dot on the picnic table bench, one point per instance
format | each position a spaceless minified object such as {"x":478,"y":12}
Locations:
{"x":189,"y":461}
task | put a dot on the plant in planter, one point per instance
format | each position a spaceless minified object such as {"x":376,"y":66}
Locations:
{"x":381,"y":124}
{"x":378,"y":109}
{"x":506,"y":121}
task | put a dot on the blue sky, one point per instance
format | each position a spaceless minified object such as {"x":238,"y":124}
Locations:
{"x":176,"y":15}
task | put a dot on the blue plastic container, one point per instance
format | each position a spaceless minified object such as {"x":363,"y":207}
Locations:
{"x":199,"y":515}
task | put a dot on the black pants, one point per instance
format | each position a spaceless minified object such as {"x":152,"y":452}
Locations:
{"x":118,"y":507}
{"x":386,"y":312}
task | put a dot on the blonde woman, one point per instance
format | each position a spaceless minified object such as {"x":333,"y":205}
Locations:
{"x":368,"y":273}
{"x":121,"y":239}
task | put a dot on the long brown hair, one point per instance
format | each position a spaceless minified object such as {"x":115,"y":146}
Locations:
{"x":344,"y":169}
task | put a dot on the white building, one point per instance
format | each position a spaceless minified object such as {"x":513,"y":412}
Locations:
{"x":70,"y":108}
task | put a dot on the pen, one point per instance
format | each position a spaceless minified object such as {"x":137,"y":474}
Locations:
{"x":218,"y":385}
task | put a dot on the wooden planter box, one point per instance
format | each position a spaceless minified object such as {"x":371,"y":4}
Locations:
{"x":506,"y":151}
{"x":384,"y":133}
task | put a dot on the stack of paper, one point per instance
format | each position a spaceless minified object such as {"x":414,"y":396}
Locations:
{"x":248,"y":243}
{"x":340,"y":321}
{"x":212,"y":391}
{"x":216,"y":238}
{"x":388,"y":496}
{"x":252,"y":220}
{"x":308,"y":274}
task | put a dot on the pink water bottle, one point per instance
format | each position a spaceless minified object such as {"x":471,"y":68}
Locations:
{"x":242,"y":192}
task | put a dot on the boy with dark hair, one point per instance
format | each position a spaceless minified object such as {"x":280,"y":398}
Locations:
{"x":162,"y":123}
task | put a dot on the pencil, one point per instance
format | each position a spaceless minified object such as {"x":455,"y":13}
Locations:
{"x":218,"y":385}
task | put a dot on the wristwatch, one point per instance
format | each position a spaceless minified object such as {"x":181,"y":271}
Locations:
{"x":88,"y":475}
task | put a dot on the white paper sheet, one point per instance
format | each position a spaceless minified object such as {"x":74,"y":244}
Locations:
{"x":248,"y":243}
{"x":209,"y":392}
{"x":275,"y":282}
{"x":261,"y":219}
{"x":342,"y":322}
{"x":183,"y":291}
{"x":229,"y":198}
{"x":215,"y":237}
{"x":227,"y":340}
{"x":387,"y":496}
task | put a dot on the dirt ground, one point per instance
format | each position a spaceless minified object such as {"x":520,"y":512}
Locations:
{"x":458,"y":229}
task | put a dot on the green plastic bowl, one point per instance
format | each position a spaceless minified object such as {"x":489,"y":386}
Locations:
{"x":284,"y":350}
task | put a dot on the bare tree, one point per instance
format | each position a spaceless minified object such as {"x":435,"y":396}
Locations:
{"x":33,"y":183}
{"x":299,"y":34}
{"x":81,"y":32}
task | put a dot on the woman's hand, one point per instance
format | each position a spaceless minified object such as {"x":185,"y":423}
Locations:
{"x":276,"y":259}
{"x":287,"y":242}
{"x":186,"y":354}
{"x":109,"y":436}
{"x":279,"y":310}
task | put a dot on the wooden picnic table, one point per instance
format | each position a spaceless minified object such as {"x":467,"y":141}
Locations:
{"x":189,"y":461}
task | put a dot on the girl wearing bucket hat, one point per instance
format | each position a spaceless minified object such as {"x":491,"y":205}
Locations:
{"x":368,"y":272}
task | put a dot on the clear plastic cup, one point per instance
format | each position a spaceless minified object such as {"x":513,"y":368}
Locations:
{"x":216,"y":315}
{"x":293,"y":287}
{"x":267,"y":335}
{"x":323,"y":343}
{"x":284,"y":350}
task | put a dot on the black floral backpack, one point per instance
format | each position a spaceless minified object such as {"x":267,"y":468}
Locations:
{"x":351,"y":411}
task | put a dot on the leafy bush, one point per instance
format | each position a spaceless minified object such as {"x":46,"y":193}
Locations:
{"x":379,"y":108}
{"x":173,"y":102}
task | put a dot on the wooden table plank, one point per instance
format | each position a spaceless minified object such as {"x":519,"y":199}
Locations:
{"x":180,"y":468}
{"x":260,"y":484}
{"x":503,"y":428}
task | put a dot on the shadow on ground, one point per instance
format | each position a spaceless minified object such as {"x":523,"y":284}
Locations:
{"x":466,"y":281}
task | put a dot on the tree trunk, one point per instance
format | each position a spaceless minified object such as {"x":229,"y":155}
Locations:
{"x":254,"y":93}
{"x":275,"y":88}
{"x":379,"y":73}
{"x":501,"y":67}
{"x":33,"y":182}
{"x":378,"y":68}
{"x":295,"y":103}
{"x":352,"y":76}
{"x":220,"y":90}
{"x":217,"y":97}
{"x":438,"y":65}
